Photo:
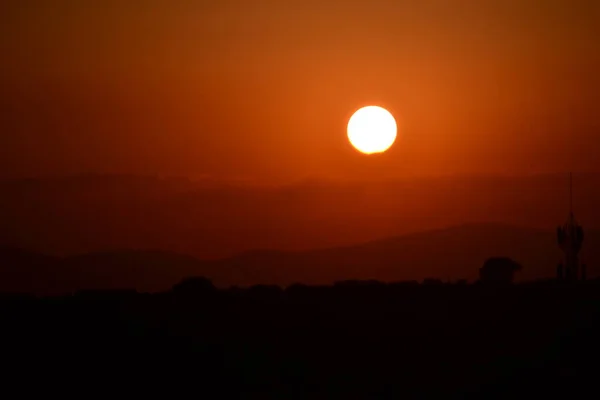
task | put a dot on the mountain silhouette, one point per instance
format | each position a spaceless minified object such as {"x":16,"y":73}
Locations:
{"x":447,"y":254}
{"x":91,"y":213}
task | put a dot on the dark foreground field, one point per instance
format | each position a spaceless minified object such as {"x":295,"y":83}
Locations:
{"x":352,"y":340}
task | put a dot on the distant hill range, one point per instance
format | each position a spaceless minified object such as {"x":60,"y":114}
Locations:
{"x":212,"y":219}
{"x":447,"y":254}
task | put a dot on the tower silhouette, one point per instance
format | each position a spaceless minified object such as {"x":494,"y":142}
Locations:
{"x":570,"y":240}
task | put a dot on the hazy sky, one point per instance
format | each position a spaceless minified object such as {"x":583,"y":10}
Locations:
{"x":263,"y":89}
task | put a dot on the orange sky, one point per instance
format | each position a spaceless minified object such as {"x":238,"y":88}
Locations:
{"x":262,"y":90}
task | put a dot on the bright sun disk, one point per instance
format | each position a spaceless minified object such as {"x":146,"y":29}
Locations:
{"x":372,"y":129}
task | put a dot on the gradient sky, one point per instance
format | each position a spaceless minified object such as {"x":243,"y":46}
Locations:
{"x":262,"y":90}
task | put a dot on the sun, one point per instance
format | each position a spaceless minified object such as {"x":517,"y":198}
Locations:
{"x":372,"y":129}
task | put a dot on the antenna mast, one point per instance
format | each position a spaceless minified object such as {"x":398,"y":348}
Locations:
{"x":570,"y":239}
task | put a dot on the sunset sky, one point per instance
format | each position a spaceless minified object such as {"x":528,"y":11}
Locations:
{"x":262,"y":90}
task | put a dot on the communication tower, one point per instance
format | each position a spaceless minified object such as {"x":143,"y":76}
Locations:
{"x":570,"y":239}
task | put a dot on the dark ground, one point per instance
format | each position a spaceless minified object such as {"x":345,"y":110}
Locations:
{"x":352,"y":340}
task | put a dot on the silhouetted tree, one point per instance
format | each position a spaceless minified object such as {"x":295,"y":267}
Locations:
{"x":559,"y":271}
{"x":499,"y":270}
{"x":405,"y":284}
{"x":433,"y":282}
{"x":265,"y":291}
{"x":297,"y":288}
{"x":194,"y":286}
{"x":351,"y":283}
